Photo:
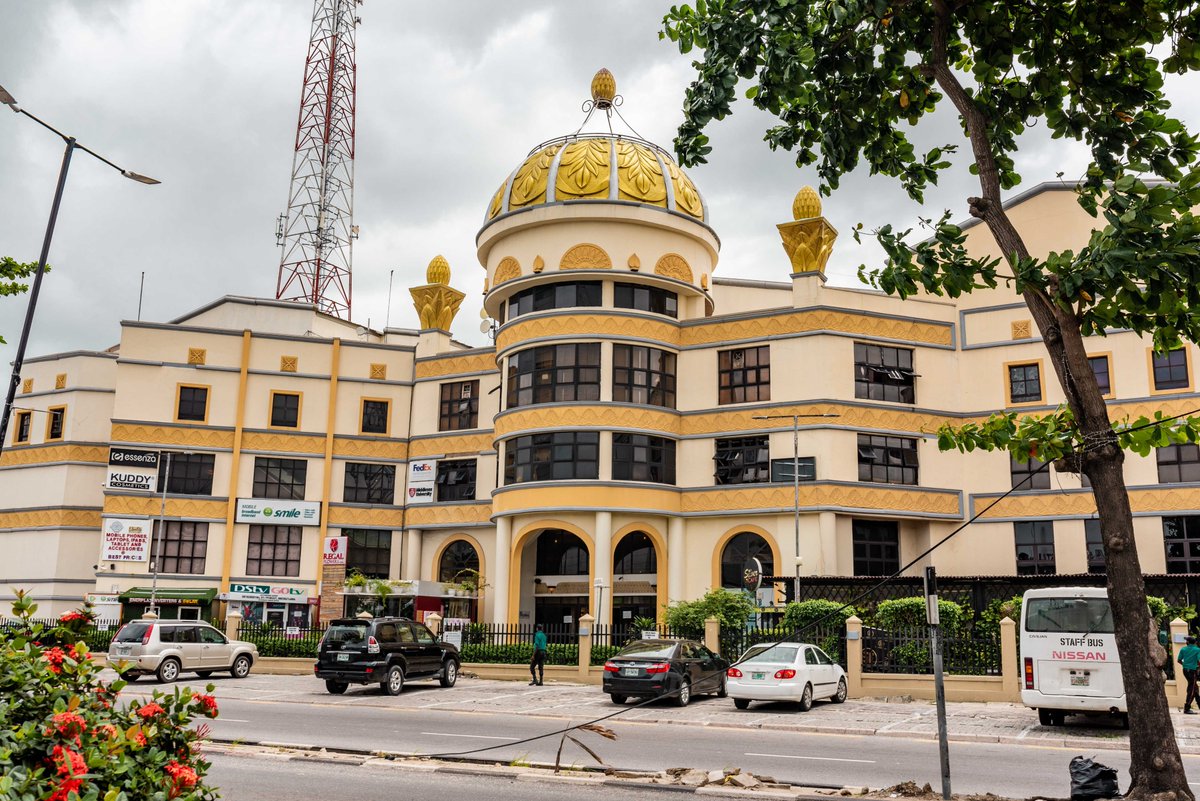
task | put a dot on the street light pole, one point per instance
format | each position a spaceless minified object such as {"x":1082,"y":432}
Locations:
{"x":35,"y":289}
{"x":160,"y":534}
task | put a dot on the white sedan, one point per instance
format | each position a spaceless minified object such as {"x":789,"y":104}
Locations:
{"x":785,"y":671}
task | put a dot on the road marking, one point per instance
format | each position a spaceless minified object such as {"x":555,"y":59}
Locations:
{"x":233,"y":720}
{"x":471,"y":736}
{"x":818,"y":759}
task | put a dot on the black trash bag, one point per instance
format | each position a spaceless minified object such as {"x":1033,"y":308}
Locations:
{"x":1091,"y":780}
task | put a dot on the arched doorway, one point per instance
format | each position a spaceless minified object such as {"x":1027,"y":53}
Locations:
{"x":561,"y":568}
{"x":634,"y":579}
{"x":738,"y":556}
{"x":458,"y":558}
{"x":459,"y":563}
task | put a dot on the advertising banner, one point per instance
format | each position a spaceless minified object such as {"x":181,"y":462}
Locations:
{"x":125,"y":539}
{"x":278,"y":512}
{"x":130,"y":469}
{"x":265,"y":592}
{"x":421,"y":476}
{"x":335,"y":550}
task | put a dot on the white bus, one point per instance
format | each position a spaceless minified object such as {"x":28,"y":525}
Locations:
{"x":1069,"y":655}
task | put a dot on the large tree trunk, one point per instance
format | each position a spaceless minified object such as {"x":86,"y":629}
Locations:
{"x":1156,"y":769}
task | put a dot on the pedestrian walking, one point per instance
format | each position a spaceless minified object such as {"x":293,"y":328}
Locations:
{"x":537,"y":665}
{"x":1189,"y":658}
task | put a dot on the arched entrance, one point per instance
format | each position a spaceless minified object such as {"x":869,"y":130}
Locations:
{"x":561,"y":567}
{"x":458,"y":558}
{"x":738,"y":556}
{"x":635,"y":579}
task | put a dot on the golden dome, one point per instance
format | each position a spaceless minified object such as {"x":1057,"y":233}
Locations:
{"x":807,"y":204}
{"x":580,"y":168}
{"x":438,"y":271}
{"x":604,"y":88}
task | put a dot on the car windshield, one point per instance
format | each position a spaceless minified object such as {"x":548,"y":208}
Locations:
{"x":346,"y":634}
{"x":1069,"y":615}
{"x":132,"y":632}
{"x":649,"y":649}
{"x":771,"y":653}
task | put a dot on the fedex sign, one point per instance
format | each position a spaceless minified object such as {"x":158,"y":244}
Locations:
{"x":421,"y":476}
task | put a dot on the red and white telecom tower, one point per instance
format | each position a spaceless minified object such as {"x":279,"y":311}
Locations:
{"x":317,"y":230}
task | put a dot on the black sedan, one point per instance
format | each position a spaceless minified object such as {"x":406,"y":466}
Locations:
{"x":650,"y":668}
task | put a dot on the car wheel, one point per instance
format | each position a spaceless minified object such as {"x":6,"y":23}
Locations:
{"x":1046,"y":717}
{"x":684,"y":694}
{"x":618,"y":698}
{"x":241,"y":667}
{"x":168,"y":669}
{"x":741,"y":703}
{"x":336,"y":687}
{"x":204,"y":674}
{"x":722,"y":691}
{"x":839,"y":697}
{"x":806,"y":698}
{"x":449,"y":673}
{"x":394,"y":683}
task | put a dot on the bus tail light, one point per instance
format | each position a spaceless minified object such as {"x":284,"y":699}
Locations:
{"x":1028,"y":673}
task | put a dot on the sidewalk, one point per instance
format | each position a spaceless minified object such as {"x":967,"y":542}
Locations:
{"x":967,"y":722}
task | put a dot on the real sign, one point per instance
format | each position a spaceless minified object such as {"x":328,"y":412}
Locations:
{"x":130,"y":469}
{"x":421,"y":476}
{"x":271,"y":510}
{"x":126,"y":539}
{"x":335,"y":550}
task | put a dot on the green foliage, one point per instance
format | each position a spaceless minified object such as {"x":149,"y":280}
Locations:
{"x":63,"y":736}
{"x":686,"y":618}
{"x":800,"y":615}
{"x":355,"y":579}
{"x":521,"y":653}
{"x":997,"y":610}
{"x":902,"y":613}
{"x":12,"y":273}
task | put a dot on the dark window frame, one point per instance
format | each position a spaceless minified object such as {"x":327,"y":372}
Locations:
{"x":645,"y":298}
{"x":282,"y":413}
{"x":454,"y":560}
{"x":279,"y":478}
{"x":634,"y":551}
{"x":23,"y":429}
{"x":259,"y":557}
{"x":191,"y":473}
{"x":552,"y":456}
{"x":642,"y":374}
{"x":744,"y":374}
{"x":1104,"y":383}
{"x":657,"y":462}
{"x":1038,"y":537}
{"x":1017,"y":470}
{"x":743,"y":544}
{"x":369,"y":412}
{"x":732,"y":460}
{"x":180,"y":536}
{"x":1181,"y":534}
{"x":561,"y":553}
{"x":56,"y":424}
{"x":560,"y":295}
{"x":888,"y":460}
{"x":1025,"y":382}
{"x":190,"y":407}
{"x":554,"y":374}
{"x":456,"y":479}
{"x":369,"y":552}
{"x":1094,"y":543}
{"x":369,"y":482}
{"x":884,"y":373}
{"x":876,"y":547}
{"x":1178,"y":464}
{"x":1171,"y":370}
{"x":458,"y":408}
{"x":781,"y":469}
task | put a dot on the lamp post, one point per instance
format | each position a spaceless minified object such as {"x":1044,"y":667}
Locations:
{"x":71,"y":146}
{"x":599,"y":585}
{"x":161,"y":534}
{"x":795,"y":418}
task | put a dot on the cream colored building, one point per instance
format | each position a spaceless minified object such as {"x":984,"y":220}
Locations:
{"x":632,"y":426}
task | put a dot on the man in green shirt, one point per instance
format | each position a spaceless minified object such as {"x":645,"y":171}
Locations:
{"x":1189,"y":659}
{"x":537,"y":665}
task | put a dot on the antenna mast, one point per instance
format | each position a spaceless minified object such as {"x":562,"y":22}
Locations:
{"x":317,"y":230}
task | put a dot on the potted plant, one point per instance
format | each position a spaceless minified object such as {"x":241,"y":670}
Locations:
{"x":356,"y":582}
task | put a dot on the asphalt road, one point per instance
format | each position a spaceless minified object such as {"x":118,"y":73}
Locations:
{"x":255,"y":778}
{"x":798,"y":758}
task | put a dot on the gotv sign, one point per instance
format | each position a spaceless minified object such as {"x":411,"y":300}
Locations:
{"x":130,"y":469}
{"x":421,"y":476}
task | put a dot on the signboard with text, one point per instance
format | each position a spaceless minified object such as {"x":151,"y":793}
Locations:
{"x":335,"y":550}
{"x":421,"y":480}
{"x":278,"y":512}
{"x":265,"y":592}
{"x":131,"y":469}
{"x":125,"y":539}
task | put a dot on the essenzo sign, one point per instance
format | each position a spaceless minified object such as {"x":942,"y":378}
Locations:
{"x":273,"y":510}
{"x":130,"y":469}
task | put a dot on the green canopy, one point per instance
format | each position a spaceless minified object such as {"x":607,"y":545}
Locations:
{"x":168,"y":595}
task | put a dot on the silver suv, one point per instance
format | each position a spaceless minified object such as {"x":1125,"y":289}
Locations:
{"x":168,"y":647}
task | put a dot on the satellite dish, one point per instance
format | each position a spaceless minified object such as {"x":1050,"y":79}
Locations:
{"x":483,"y":315}
{"x":485,"y":326}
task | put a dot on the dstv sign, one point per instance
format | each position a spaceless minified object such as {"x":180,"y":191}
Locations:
{"x":281,"y":512}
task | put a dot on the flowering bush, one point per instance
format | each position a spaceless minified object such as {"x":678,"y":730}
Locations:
{"x":62,"y":738}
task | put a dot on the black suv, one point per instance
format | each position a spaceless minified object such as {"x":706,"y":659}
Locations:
{"x":383,"y":650}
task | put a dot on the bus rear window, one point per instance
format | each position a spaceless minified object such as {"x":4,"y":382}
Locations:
{"x":1069,"y":615}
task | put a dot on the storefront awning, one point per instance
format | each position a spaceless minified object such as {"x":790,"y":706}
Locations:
{"x":168,"y":596}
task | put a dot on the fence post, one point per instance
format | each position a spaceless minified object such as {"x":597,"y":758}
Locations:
{"x":854,"y":656}
{"x":434,"y":621}
{"x":1179,"y":630}
{"x":586,"y":623}
{"x":1010,"y":670}
{"x":233,"y":625}
{"x":712,"y":634}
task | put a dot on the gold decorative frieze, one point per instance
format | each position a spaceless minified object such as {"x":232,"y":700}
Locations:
{"x":197,"y":356}
{"x":639,"y":176}
{"x":454,"y":365}
{"x":370,"y":448}
{"x":60,"y":381}
{"x":448,"y":443}
{"x":164,"y":435}
{"x":437,"y":302}
{"x":375,"y":517}
{"x":283,"y":442}
{"x":884,"y":499}
{"x":378,"y":372}
{"x":508,"y":269}
{"x":583,"y":171}
{"x":802,"y":321}
{"x":50,"y":518}
{"x":672,"y":265}
{"x":287,"y":364}
{"x":149,"y":505}
{"x":687,"y":198}
{"x":539,"y":264}
{"x":585,"y":257}
{"x":1082,"y":503}
{"x":574,"y":416}
{"x":14,"y":457}
{"x":458,"y":514}
{"x":529,"y":184}
{"x":1021,"y":329}
{"x":853,"y":416}
{"x":589,"y":325}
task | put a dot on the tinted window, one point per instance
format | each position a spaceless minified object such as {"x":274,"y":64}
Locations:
{"x":810,"y":657}
{"x":771,"y":653}
{"x":653,"y":649}
{"x":346,"y":634}
{"x":822,"y":657}
{"x":185,"y":634}
{"x":386,"y":632}
{"x":132,"y":632}
{"x":1069,"y":615}
{"x":406,"y":634}
{"x":424,"y":635}
{"x":166,"y":634}
{"x":211,"y":635}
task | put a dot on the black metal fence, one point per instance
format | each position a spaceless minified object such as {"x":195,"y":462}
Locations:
{"x":829,"y":638}
{"x":97,"y":634}
{"x":290,"y":641}
{"x":513,"y":644}
{"x":908,"y":651}
{"x":608,"y":640}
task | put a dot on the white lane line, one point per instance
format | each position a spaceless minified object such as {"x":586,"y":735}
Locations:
{"x":471,"y":736}
{"x":233,"y":720}
{"x":816,"y":759}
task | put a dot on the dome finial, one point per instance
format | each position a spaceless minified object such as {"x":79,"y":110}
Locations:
{"x":807,"y":204}
{"x":604,"y":88}
{"x":438,"y":271}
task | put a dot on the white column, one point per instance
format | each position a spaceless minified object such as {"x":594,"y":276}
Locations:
{"x":827,"y":564}
{"x":410,"y":569}
{"x":676,"y":554}
{"x":499,"y":578}
{"x":602,"y":567}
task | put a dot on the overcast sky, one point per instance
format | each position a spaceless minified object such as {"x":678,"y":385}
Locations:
{"x":451,"y":96}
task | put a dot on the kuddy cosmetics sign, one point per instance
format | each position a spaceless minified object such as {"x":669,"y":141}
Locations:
{"x":130,"y":469}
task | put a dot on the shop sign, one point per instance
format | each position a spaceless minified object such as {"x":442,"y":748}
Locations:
{"x":265,"y":592}
{"x":335,"y":550}
{"x":421,"y":476}
{"x":96,"y":599}
{"x":280,"y":512}
{"x":126,"y":539}
{"x":130,"y":469}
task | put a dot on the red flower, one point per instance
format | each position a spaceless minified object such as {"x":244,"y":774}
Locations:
{"x":55,"y":657}
{"x":70,"y":763}
{"x":138,"y":738}
{"x":71,"y":617}
{"x":182,"y":774}
{"x":106,"y":729}
{"x":150,"y":710}
{"x":68,"y":724}
{"x":207,"y":703}
{"x":64,"y":790}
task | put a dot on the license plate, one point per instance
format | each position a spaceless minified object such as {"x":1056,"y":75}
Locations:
{"x":629,"y":671}
{"x":343,"y":657}
{"x":124,"y":650}
{"x":1080,"y":681}
{"x":758,"y":676}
